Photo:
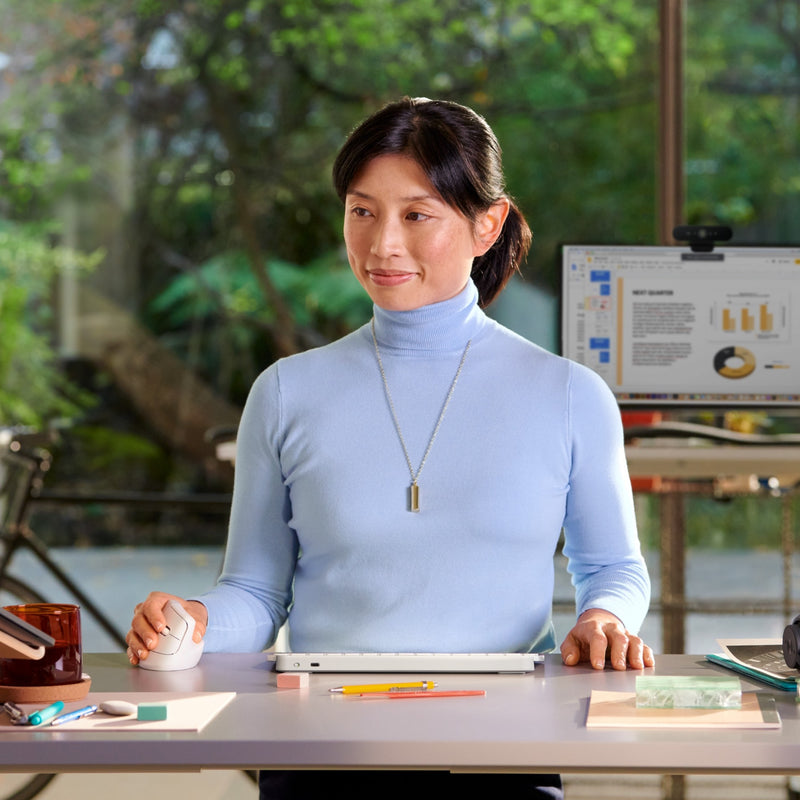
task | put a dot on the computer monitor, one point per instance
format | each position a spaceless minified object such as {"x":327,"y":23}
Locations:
{"x":666,"y":326}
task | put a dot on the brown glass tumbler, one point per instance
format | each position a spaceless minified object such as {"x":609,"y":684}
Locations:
{"x":61,"y":663}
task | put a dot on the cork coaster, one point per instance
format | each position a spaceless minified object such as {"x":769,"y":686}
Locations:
{"x":66,"y":692}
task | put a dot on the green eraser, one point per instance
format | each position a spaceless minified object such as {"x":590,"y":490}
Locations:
{"x":683,"y":691}
{"x":151,"y":712}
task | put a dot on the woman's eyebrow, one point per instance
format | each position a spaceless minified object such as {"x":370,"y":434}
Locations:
{"x":411,"y":199}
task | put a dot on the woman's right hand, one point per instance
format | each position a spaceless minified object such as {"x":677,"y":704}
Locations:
{"x":148,"y":621}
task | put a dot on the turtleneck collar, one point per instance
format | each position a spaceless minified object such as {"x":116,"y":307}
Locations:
{"x":439,"y":327}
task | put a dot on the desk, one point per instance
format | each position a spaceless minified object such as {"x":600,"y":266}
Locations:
{"x":683,"y":460}
{"x":524,"y":723}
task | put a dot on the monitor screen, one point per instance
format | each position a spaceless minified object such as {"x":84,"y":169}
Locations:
{"x":669,"y":326}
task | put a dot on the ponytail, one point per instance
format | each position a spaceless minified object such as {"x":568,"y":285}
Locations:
{"x":492,"y":271}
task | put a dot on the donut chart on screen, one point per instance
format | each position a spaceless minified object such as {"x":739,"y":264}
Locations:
{"x":743,"y":370}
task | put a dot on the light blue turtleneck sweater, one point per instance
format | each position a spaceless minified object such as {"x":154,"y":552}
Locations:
{"x":321,"y":530}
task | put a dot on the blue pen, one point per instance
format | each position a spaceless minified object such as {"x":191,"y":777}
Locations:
{"x":73,"y":715}
{"x":38,"y":717}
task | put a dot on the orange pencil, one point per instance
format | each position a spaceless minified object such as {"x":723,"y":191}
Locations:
{"x":445,"y":693}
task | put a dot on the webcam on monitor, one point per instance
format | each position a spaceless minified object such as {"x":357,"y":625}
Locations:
{"x":702,"y":238}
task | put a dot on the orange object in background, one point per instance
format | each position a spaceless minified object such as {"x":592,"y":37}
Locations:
{"x":631,"y":419}
{"x":646,"y":483}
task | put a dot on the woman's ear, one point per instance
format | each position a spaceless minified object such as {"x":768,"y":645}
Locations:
{"x":490,"y":226}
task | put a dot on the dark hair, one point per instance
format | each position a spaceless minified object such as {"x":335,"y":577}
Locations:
{"x":461,"y":157}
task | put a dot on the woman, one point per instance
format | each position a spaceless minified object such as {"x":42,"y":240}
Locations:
{"x":404,"y":488}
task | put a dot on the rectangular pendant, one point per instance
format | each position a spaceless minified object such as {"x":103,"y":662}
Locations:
{"x":413,"y":497}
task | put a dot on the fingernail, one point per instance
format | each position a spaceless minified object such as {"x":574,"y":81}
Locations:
{"x":140,"y":654}
{"x":151,"y":643}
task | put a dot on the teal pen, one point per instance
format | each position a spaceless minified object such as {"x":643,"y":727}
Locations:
{"x":38,"y":717}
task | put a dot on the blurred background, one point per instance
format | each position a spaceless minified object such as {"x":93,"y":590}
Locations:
{"x":168,"y":228}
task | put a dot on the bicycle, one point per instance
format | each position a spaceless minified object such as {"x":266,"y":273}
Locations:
{"x":21,"y":475}
{"x":24,"y":463}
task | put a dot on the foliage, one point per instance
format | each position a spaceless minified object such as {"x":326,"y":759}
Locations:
{"x":226,"y":281}
{"x":741,"y":522}
{"x":742,"y":87}
{"x":220,"y":302}
{"x":237,"y":108}
{"x":32,"y":387}
{"x":118,"y":458}
{"x":34,"y":170}
{"x":297,"y":76}
{"x":241,"y":105}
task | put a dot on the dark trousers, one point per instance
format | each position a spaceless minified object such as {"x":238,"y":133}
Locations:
{"x":315,"y":784}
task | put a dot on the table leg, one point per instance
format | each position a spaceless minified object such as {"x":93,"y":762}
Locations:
{"x":787,"y":548}
{"x":673,"y":787}
{"x":672,"y":520}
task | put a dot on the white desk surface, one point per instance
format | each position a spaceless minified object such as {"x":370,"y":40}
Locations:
{"x":683,"y":460}
{"x":533,"y":722}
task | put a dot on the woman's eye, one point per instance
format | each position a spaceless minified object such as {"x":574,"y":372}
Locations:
{"x":358,"y":211}
{"x":416,"y":216}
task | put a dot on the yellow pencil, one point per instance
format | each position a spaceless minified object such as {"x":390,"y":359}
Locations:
{"x":366,"y":688}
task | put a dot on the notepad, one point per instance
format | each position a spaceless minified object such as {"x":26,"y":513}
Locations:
{"x":186,"y":711}
{"x":618,"y":710}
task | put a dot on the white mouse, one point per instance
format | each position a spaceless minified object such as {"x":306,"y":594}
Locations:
{"x":175,"y":649}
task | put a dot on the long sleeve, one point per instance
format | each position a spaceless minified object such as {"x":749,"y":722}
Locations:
{"x":253,"y":595}
{"x":601,"y":540}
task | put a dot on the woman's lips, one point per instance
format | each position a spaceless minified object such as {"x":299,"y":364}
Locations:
{"x":389,"y":278}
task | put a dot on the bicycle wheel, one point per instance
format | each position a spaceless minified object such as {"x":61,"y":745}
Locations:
{"x":13,"y":592}
{"x":17,"y":786}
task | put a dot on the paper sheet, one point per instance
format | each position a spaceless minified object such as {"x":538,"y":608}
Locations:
{"x":186,"y":711}
{"x":618,"y":710}
{"x":764,"y":655}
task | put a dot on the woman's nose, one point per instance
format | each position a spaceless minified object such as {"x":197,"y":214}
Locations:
{"x":387,"y":239}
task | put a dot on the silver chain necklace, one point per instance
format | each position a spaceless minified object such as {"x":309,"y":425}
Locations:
{"x":414,"y":487}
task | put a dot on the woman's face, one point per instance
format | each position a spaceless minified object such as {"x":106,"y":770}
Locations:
{"x":407,"y":247}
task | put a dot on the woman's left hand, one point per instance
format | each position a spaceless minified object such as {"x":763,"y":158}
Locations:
{"x":599,"y":634}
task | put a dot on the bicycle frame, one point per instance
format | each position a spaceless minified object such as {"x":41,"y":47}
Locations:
{"x":22,"y":480}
